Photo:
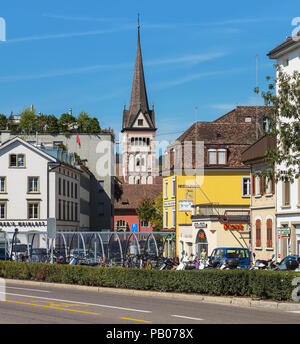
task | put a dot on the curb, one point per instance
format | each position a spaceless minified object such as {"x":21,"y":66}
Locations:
{"x":225,"y":300}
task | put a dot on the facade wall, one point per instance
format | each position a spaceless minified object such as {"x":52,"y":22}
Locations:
{"x":99,"y":152}
{"x":288,"y":215}
{"x":220,"y":187}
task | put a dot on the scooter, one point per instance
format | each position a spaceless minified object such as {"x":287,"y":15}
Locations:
{"x":186,"y":263}
{"x":261,"y":264}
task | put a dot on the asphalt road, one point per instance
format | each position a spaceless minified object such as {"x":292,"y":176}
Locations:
{"x":29,"y":304}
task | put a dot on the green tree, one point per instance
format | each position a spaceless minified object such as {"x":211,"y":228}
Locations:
{"x":66,"y":123}
{"x":146,"y":210}
{"x":284,"y":122}
{"x":157,"y":217}
{"x":151,"y":211}
{"x":28,"y":121}
{"x":52,"y":124}
{"x":83,"y":122}
{"x":41,"y":123}
{"x":94,"y":126}
{"x":3,"y":122}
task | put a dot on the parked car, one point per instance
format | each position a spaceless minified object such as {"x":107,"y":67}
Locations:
{"x":39,"y":255}
{"x":283,"y":264}
{"x":220,"y":253}
{"x":4,"y":254}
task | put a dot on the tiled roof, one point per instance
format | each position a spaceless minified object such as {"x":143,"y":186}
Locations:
{"x":132,"y":194}
{"x":286,"y":44}
{"x":234,"y":131}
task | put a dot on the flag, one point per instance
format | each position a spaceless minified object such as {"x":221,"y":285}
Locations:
{"x":78,"y":141}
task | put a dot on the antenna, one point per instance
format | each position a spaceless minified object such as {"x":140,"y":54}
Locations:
{"x":196,"y":131}
{"x":256,"y":119}
{"x":138,"y":21}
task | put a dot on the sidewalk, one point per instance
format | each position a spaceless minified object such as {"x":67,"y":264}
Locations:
{"x":229,"y":300}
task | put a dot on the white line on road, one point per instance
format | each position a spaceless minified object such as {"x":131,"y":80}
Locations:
{"x":80,"y":303}
{"x":184,"y":317}
{"x":41,"y":291}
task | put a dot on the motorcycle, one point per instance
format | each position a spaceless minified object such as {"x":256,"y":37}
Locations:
{"x":261,"y":264}
{"x":227,"y":264}
{"x":166,"y":264}
{"x":186,"y":263}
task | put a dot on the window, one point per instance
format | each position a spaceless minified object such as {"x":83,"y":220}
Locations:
{"x":257,"y":186}
{"x":76,"y":191}
{"x":221,"y":156}
{"x":64,"y":211}
{"x":269,"y":233}
{"x":68,"y":188}
{"x":33,"y":210}
{"x":33,"y":184}
{"x":258,"y":233}
{"x":212,"y":156}
{"x":121,"y":226}
{"x":217,"y":156}
{"x":144,"y":224}
{"x":140,"y":122}
{"x":68,"y":211}
{"x":246,"y":187}
{"x":72,"y":211}
{"x":166,"y":218}
{"x":173,"y":217}
{"x":269,"y":188}
{"x":17,"y":160}
{"x":2,"y":184}
{"x":2,"y":210}
{"x":76,"y":211}
{"x":59,"y":209}
{"x":59,"y":186}
{"x":64,"y":187}
{"x":173,"y":187}
{"x":166,"y":188}
{"x":72,"y":189}
{"x":265,"y":125}
{"x":286,"y":194}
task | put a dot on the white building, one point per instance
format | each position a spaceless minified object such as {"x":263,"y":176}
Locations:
{"x":287,"y":56}
{"x":37,"y":184}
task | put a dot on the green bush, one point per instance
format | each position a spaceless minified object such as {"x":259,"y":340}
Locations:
{"x":272,"y":285}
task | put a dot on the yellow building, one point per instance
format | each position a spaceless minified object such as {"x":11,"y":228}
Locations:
{"x":212,"y":208}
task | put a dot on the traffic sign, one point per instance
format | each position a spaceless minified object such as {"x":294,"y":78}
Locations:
{"x":51,"y":227}
{"x":134,"y":227}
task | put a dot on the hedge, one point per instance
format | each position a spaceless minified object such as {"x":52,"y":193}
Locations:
{"x":272,"y":285}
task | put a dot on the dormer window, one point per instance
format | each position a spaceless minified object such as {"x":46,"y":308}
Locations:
{"x":217,"y":156}
{"x":265,"y":125}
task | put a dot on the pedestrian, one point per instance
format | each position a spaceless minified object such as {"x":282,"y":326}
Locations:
{"x":203,"y":254}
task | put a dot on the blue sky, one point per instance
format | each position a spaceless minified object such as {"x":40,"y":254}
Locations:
{"x":80,"y":55}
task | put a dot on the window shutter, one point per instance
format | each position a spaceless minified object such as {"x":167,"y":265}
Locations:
{"x":258,"y":233}
{"x":272,"y":185}
{"x":269,"y":233}
{"x":253,"y":185}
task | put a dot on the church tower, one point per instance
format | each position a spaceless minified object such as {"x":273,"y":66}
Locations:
{"x":138,"y":130}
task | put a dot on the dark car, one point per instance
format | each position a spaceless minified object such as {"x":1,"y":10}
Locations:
{"x":4,"y":254}
{"x":231,"y":254}
{"x":38,"y":255}
{"x":289,"y":263}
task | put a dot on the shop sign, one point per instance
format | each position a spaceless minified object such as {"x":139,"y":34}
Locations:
{"x":237,"y":227}
{"x":200,"y":225}
{"x":191,"y":186}
{"x":185,"y":205}
{"x":169,"y":204}
{"x":286,"y":231}
{"x":22,"y":224}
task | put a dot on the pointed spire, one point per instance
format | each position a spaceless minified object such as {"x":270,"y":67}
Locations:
{"x":138,"y":99}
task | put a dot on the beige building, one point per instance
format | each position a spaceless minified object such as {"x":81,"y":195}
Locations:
{"x":263,"y":199}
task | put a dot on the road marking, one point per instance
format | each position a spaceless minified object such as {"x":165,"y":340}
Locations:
{"x":42,"y":291}
{"x":80,"y":303}
{"x":184,"y":317}
{"x":144,"y":321}
{"x":293,"y":312}
{"x":51,"y":307}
